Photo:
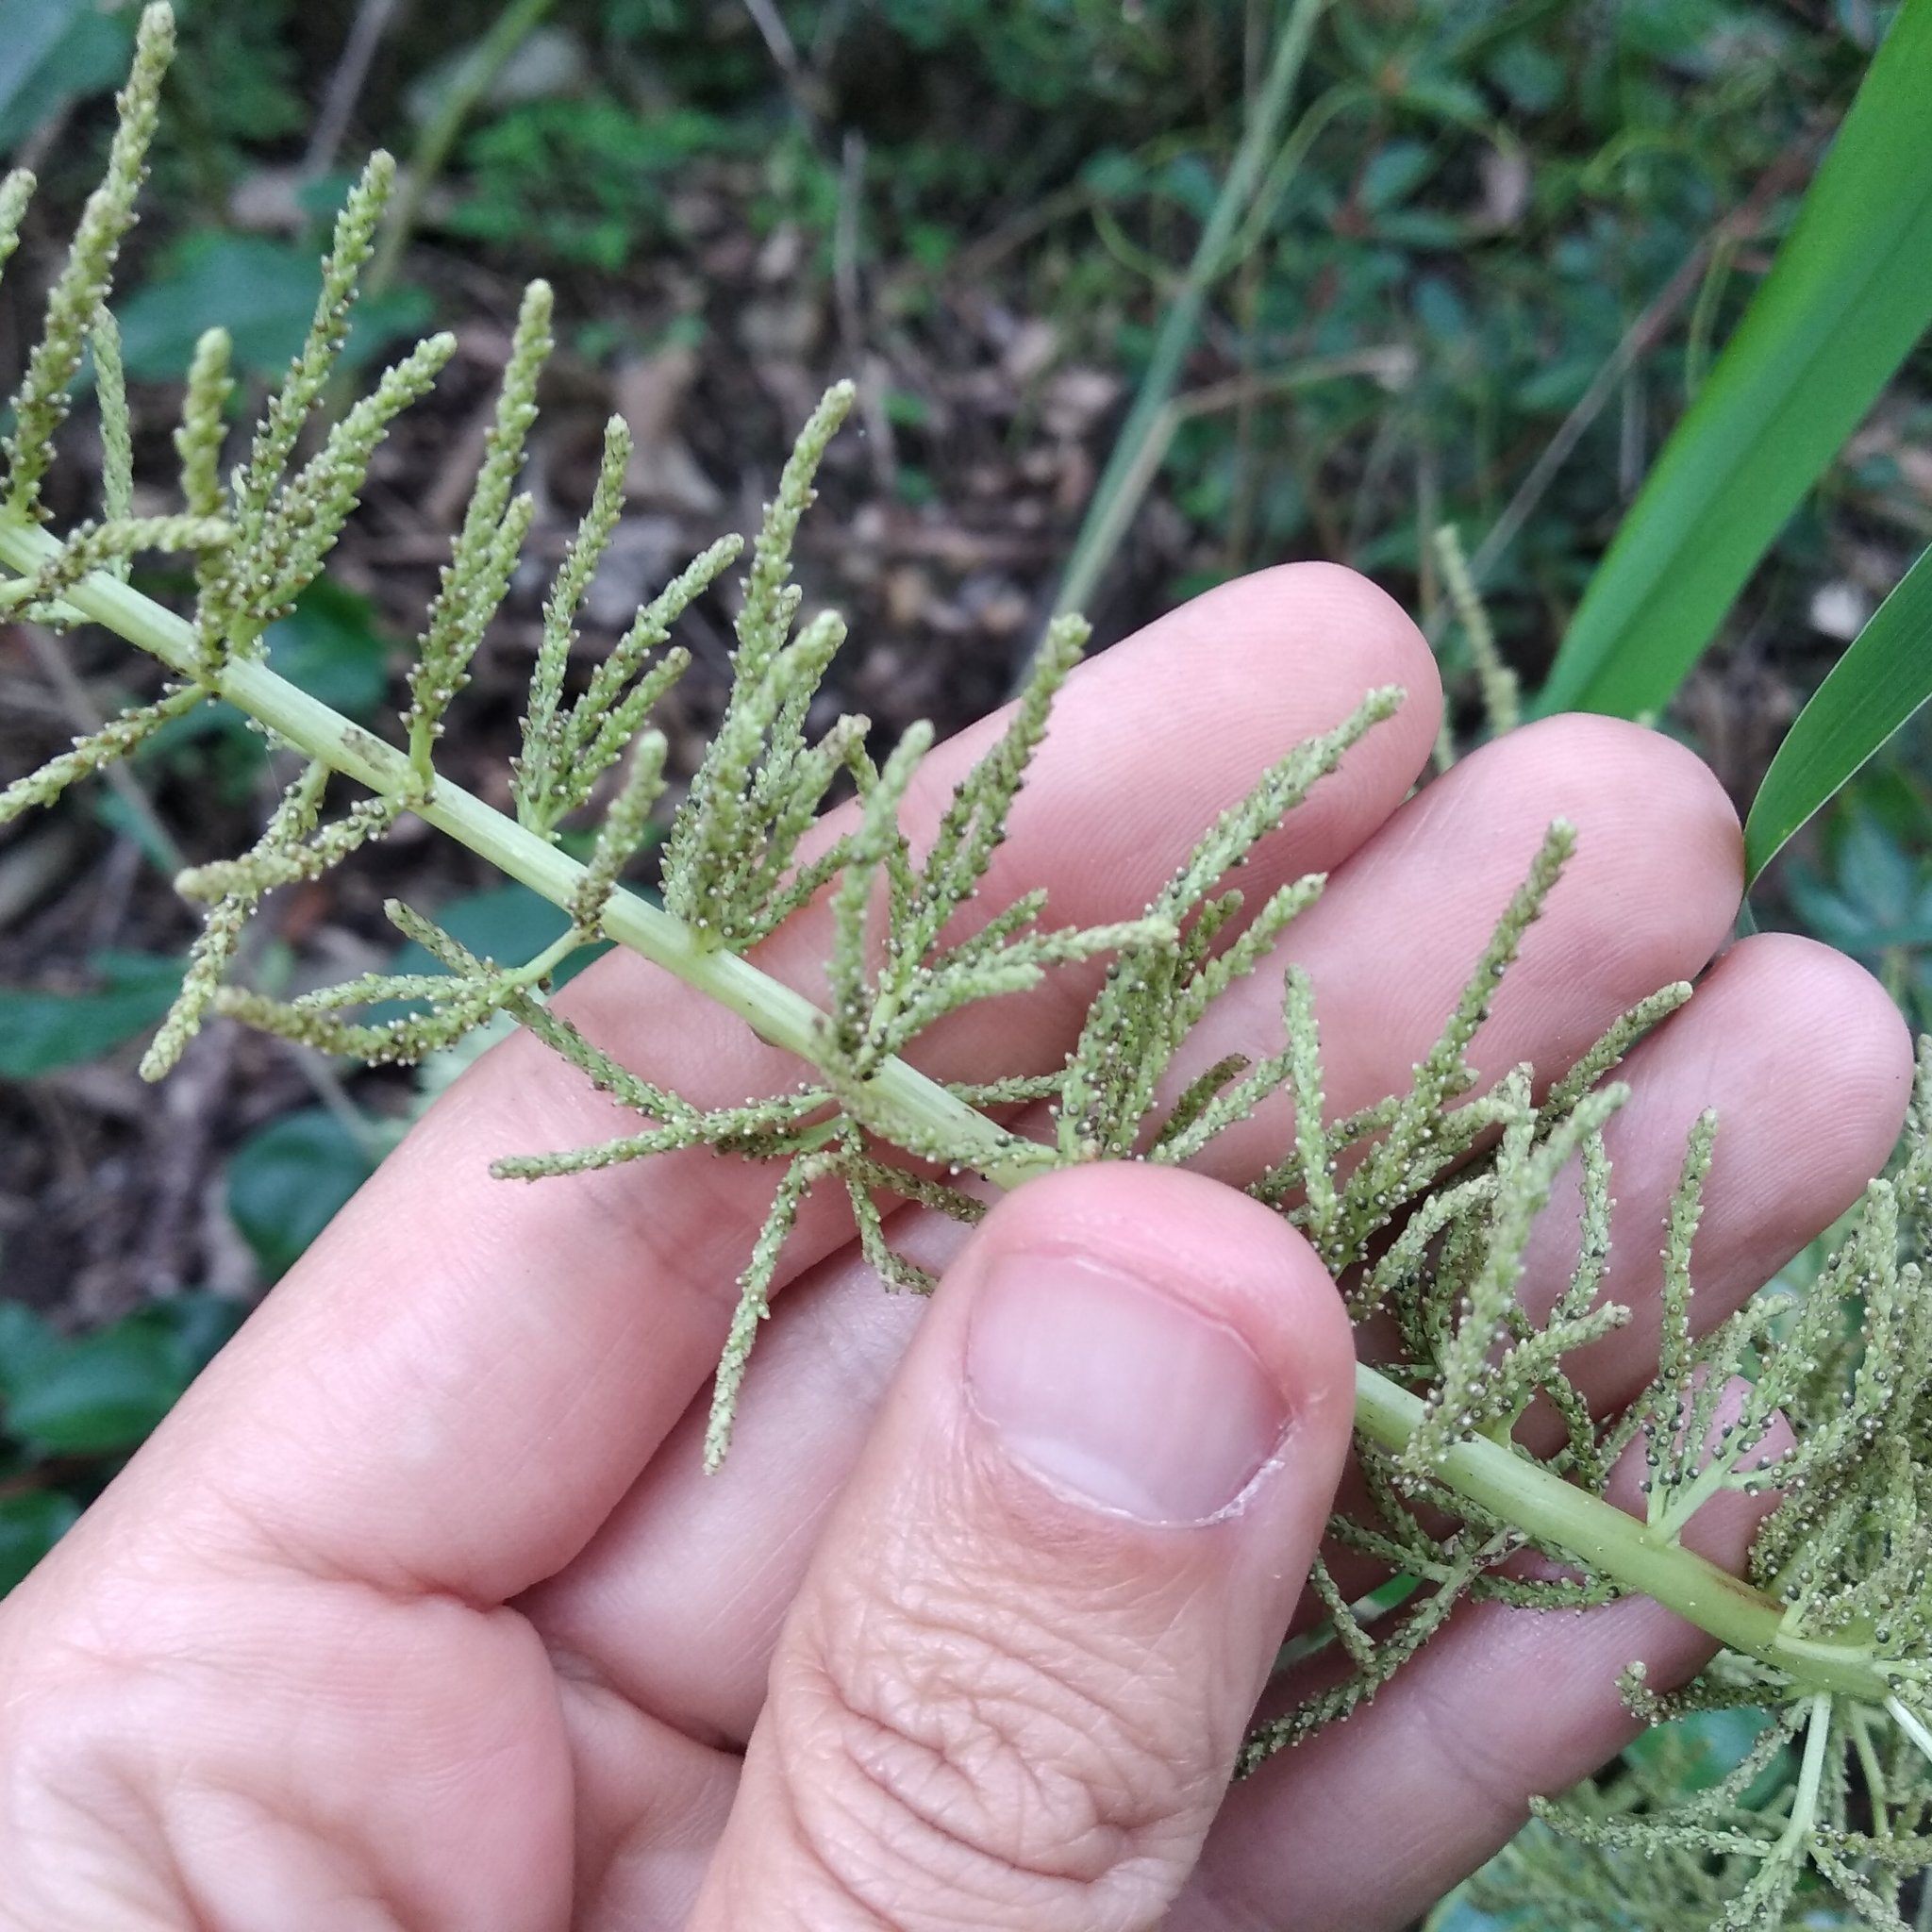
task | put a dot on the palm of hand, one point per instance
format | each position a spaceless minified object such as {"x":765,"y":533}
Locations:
{"x":420,"y":1612}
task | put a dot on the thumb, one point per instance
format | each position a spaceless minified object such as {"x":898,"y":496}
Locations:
{"x":1010,"y":1691}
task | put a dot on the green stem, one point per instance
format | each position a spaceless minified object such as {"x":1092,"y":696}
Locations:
{"x":1810,"y":1775}
{"x":474,"y":79}
{"x":775,"y":1012}
{"x":551,"y":958}
{"x":1506,"y":1484}
{"x":1101,"y":532}
{"x":1493,"y":1475}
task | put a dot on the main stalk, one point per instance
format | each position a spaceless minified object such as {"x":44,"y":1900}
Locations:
{"x":1498,"y":1478}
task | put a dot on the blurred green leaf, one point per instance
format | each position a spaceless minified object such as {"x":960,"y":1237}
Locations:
{"x":210,"y":749}
{"x":1192,"y":184}
{"x":288,"y":1179}
{"x":1848,"y":295}
{"x":1531,"y":75}
{"x":263,"y":292}
{"x":331,"y":647}
{"x":1441,"y":309}
{"x":142,"y":828}
{"x":1115,"y":176}
{"x":1443,"y":97}
{"x":1456,"y":1914}
{"x":53,"y":52}
{"x":1894,"y":791}
{"x":1883,"y":679}
{"x":1878,"y":897}
{"x":1666,"y":29}
{"x":30,"y":1525}
{"x":1556,"y":387}
{"x":509,"y":924}
{"x":100,"y":1394}
{"x":41,"y":1031}
{"x":1877,"y":872}
{"x":26,"y":1346}
{"x":1394,"y":172}
{"x":1697,"y":1751}
{"x":194,"y":1325}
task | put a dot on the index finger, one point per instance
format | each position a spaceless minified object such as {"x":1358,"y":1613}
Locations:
{"x":464,"y":1377}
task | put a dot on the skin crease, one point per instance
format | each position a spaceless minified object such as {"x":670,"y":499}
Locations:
{"x":417,"y":1612}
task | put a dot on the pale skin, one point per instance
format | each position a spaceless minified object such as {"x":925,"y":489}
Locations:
{"x":418,"y":1613}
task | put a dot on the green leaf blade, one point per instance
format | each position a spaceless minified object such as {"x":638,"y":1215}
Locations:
{"x":331,"y":646}
{"x":102,"y":1394}
{"x":1881,"y":680}
{"x":263,"y":292}
{"x":287,"y":1181}
{"x":31,"y":1522}
{"x":1848,"y":296}
{"x":41,"y":1032}
{"x":53,"y":53}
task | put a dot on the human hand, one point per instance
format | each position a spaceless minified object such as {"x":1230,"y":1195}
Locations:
{"x":418,"y":1610}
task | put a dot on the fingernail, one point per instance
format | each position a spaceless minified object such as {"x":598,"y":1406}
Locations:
{"x":1117,"y":1393}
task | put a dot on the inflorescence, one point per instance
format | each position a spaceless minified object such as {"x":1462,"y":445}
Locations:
{"x":1421,"y":1205}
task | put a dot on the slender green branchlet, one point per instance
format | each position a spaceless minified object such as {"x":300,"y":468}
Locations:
{"x":476,"y":578}
{"x":109,"y":548}
{"x":117,"y":427}
{"x":198,"y":440}
{"x":622,"y":831}
{"x":118,"y":739}
{"x":623,"y":688}
{"x":544,"y":787}
{"x":16,"y":191}
{"x":309,"y":510}
{"x":733,"y":831}
{"x":80,"y":289}
{"x":294,"y":818}
{"x":1500,"y":691}
{"x":308,"y":373}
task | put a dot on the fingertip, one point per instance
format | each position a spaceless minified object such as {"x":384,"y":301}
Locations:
{"x":1334,"y":630}
{"x":1653,"y":891}
{"x":1852,"y":1069}
{"x":1336,"y":612}
{"x":1615,"y":768}
{"x":1222,"y":1254}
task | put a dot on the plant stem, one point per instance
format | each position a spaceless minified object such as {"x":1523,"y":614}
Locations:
{"x":474,"y":79}
{"x":1133,"y":468}
{"x":775,"y":1012}
{"x":1104,"y":527}
{"x":1520,"y":1493}
{"x":1491,"y":1474}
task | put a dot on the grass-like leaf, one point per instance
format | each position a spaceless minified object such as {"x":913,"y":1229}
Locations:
{"x":1848,"y":295}
{"x":1879,"y":682}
